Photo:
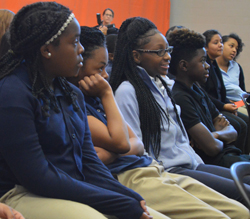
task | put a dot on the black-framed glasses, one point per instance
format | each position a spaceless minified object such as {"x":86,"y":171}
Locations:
{"x":159,"y":52}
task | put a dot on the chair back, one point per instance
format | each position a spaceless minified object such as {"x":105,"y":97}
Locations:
{"x":238,"y":171}
{"x":246,"y":99}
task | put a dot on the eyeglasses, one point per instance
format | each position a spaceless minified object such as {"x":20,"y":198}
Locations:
{"x":108,"y":15}
{"x":159,"y":52}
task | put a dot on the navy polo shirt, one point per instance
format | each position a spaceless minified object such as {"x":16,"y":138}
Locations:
{"x":121,"y":164}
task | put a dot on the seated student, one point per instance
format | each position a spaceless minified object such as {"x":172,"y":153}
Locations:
{"x":48,"y":165}
{"x":5,"y":43}
{"x":6,"y":16}
{"x":210,"y":132}
{"x":231,"y":71}
{"x":112,"y":136}
{"x":215,"y":88}
{"x":7,"y":212}
{"x":110,"y":41}
{"x":142,"y":55}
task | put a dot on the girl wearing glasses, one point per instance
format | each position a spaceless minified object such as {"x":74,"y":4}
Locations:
{"x":146,"y":104}
{"x":122,"y":151}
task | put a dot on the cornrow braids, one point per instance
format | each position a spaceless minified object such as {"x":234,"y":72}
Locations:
{"x":30,"y":29}
{"x":185,"y":43}
{"x":134,"y":33}
{"x":91,"y":39}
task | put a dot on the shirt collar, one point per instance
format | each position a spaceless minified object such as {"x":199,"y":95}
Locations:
{"x":195,"y":91}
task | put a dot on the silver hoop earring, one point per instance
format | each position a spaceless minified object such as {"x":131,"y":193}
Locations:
{"x":49,"y":54}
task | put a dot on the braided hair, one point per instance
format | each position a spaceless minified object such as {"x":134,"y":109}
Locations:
{"x":31,"y":27}
{"x":91,"y":39}
{"x":134,"y":33}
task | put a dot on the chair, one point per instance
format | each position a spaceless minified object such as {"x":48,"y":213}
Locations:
{"x":246,"y":99}
{"x":238,"y":171}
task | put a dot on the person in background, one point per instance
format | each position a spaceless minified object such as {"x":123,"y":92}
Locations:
{"x":48,"y":164}
{"x":216,"y":90}
{"x":110,"y":41}
{"x":5,"y":43}
{"x":105,"y":26}
{"x":111,"y":136}
{"x":7,"y":212}
{"x":6,"y":16}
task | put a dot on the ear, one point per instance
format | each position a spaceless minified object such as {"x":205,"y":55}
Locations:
{"x":111,"y":56}
{"x":136,"y":56}
{"x":45,"y":51}
{"x":183,"y":65}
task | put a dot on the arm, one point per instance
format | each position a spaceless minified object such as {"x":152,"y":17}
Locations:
{"x":114,"y":137}
{"x":21,"y":149}
{"x":224,"y":131}
{"x":205,"y":140}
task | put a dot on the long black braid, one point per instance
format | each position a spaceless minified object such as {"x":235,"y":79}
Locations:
{"x":31,"y":27}
{"x":133,"y":34}
{"x":91,"y":39}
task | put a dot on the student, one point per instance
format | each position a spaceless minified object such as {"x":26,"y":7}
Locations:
{"x":112,"y":137}
{"x":232,"y":72}
{"x":6,"y":16}
{"x":7,"y":212}
{"x":142,"y":55}
{"x":48,"y":165}
{"x":209,"y":131}
{"x":216,"y":90}
{"x":111,"y":41}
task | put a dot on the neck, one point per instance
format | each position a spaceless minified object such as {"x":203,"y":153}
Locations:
{"x":184,"y":79}
{"x":222,"y":62}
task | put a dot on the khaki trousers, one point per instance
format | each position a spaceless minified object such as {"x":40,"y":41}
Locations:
{"x":179,"y":196}
{"x":36,"y":207}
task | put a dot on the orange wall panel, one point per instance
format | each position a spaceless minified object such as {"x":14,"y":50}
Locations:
{"x":158,"y":11}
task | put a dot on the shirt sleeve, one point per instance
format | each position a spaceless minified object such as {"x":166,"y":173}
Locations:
{"x":26,"y":163}
{"x":189,"y":115}
{"x":125,"y":97}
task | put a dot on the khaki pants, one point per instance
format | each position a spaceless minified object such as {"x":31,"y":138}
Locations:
{"x":36,"y":207}
{"x":243,"y":110}
{"x":179,"y":196}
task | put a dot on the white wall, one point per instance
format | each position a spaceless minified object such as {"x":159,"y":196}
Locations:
{"x":224,"y":15}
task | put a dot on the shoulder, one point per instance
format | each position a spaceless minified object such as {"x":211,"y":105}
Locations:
{"x":17,"y":88}
{"x":125,"y":90}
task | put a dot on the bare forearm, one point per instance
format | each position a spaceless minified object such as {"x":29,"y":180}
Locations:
{"x":105,"y":156}
{"x":227,"y":134}
{"x":137,"y":147}
{"x":116,"y":125}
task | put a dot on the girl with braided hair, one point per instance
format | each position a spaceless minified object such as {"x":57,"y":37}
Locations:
{"x":48,"y":165}
{"x":122,"y":151}
{"x":142,"y":55}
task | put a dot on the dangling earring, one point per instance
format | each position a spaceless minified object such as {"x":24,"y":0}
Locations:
{"x":49,"y":54}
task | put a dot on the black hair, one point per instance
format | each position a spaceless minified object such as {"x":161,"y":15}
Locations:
{"x":172,"y":28}
{"x":209,"y":35}
{"x":133,"y":34}
{"x":238,"y":39}
{"x":5,"y":43}
{"x":91,"y":39}
{"x":113,"y":14}
{"x":185,"y":43}
{"x":111,"y":41}
{"x":31,"y":27}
